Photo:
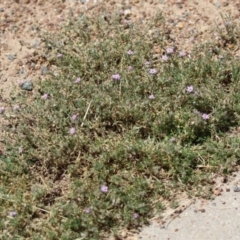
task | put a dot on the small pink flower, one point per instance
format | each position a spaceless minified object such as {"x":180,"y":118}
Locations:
{"x":164,"y":57}
{"x":2,"y":110}
{"x":59,"y":55}
{"x":130,"y":52}
{"x":205,"y":116}
{"x":74,"y":117}
{"x":170,"y":50}
{"x":78,"y":80}
{"x":104,"y":188}
{"x":147,"y":63}
{"x":87,"y":210}
{"x":116,"y":77}
{"x":135,"y":215}
{"x":182,"y":54}
{"x":44,"y":96}
{"x":153,"y":71}
{"x":189,"y":89}
{"x":151,"y":96}
{"x":12,"y":214}
{"x":72,"y":131}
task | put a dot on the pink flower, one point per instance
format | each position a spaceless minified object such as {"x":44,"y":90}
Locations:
{"x":116,"y":77}
{"x":170,"y":50}
{"x":87,"y":210}
{"x":153,"y":71}
{"x":12,"y":214}
{"x":164,"y":57}
{"x":182,"y":54}
{"x":104,"y":188}
{"x":59,"y":55}
{"x":72,"y":131}
{"x":44,"y":96}
{"x":78,"y":80}
{"x":151,"y":96}
{"x":189,"y":89}
{"x":135,"y":215}
{"x":205,"y":116}
{"x":74,"y":117}
{"x":130,"y":52}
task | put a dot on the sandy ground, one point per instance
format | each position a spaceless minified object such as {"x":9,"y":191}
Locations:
{"x":188,"y":22}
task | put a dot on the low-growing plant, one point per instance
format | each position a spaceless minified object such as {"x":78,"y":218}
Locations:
{"x":115,"y":129}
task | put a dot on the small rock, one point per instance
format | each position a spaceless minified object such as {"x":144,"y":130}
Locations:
{"x":224,"y":180}
{"x":178,"y":211}
{"x":21,"y":71}
{"x":28,"y":86}
{"x":127,"y":12}
{"x":202,"y":210}
{"x":11,"y":57}
{"x":180,"y":25}
{"x":236,"y":189}
{"x":217,"y":191}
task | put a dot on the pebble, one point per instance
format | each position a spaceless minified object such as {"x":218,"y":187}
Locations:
{"x":127,"y":12}
{"x":21,"y":71}
{"x":236,"y":189}
{"x":180,"y":25}
{"x":11,"y":57}
{"x":28,"y":86}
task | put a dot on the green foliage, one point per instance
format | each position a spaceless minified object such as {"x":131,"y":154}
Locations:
{"x":141,"y":136}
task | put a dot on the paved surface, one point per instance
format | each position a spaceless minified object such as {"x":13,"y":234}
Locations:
{"x":218,"y":219}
